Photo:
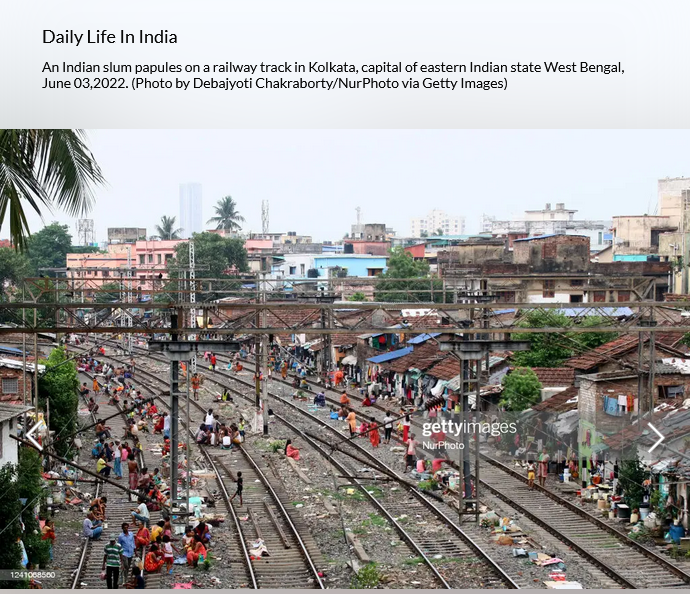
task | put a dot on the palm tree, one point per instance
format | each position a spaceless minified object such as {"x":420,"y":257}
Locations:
{"x":44,"y":168}
{"x":166,"y":230}
{"x":227,"y":218}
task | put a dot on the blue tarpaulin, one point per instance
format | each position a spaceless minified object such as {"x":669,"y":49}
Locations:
{"x":391,"y":355}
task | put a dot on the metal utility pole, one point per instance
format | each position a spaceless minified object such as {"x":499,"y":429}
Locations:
{"x":685,"y":203}
{"x":174,"y":411}
{"x":257,"y":358}
{"x":192,"y":312}
{"x":264,"y":356}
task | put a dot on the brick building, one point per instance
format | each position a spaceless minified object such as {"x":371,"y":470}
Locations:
{"x":12,"y":379}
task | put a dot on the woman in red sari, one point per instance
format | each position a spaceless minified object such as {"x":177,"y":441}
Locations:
{"x":374,"y":436}
{"x":291,"y":451}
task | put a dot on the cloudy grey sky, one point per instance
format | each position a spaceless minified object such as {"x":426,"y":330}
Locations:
{"x":314,"y":180}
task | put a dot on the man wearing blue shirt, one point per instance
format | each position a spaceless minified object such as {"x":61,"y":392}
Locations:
{"x":126,"y":541}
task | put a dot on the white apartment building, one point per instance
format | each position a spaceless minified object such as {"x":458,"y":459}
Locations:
{"x":552,"y":221}
{"x":435,"y":220}
{"x":190,"y":220}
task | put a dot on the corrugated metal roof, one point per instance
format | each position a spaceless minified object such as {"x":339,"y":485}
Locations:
{"x":390,"y":355}
{"x":595,"y":311}
{"x":423,"y":338}
{"x":12,"y":411}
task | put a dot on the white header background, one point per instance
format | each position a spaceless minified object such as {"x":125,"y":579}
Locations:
{"x":649,"y":38}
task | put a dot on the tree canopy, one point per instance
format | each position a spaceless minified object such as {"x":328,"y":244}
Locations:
{"x":552,"y":349}
{"x":227,"y":217}
{"x":402,"y":265}
{"x":521,"y":389}
{"x":48,"y":248}
{"x":44,"y":169}
{"x":58,"y":385}
{"x":167,"y":230}
{"x":220,"y":254}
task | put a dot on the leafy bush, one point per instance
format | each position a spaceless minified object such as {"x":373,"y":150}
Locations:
{"x":366,"y":578}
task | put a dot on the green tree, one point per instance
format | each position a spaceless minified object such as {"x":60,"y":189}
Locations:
{"x":521,"y":389}
{"x":546,"y":349}
{"x":227,"y":218}
{"x":439,"y":232}
{"x":48,"y":248}
{"x":10,"y":511}
{"x":591,"y":340}
{"x":167,"y":229}
{"x":550,"y":349}
{"x":402,"y":266}
{"x":14,"y":266}
{"x":357,"y":297}
{"x":424,"y":234}
{"x":44,"y":170}
{"x":58,"y":385}
{"x":110,"y":292}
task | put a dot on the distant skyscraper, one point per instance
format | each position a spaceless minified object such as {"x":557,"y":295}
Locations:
{"x":190,"y":209}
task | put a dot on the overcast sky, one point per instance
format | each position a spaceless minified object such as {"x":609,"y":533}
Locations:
{"x":314,"y":180}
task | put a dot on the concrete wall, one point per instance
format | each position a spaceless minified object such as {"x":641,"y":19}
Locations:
{"x":633,"y":235}
{"x":669,"y":192}
{"x":374,"y":248}
{"x":551,"y":254}
{"x":356,"y":266}
{"x":9,"y":445}
{"x":477,"y":252}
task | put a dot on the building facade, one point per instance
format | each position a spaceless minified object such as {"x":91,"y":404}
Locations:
{"x":437,"y":219}
{"x":126,"y":234}
{"x":550,"y":221}
{"x":190,"y":209}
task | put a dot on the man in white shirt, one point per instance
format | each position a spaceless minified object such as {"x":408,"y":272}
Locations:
{"x":141,"y":512}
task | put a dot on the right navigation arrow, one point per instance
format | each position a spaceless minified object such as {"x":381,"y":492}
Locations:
{"x":661,"y":437}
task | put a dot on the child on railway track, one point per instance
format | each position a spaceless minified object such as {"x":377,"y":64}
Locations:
{"x":168,"y":555}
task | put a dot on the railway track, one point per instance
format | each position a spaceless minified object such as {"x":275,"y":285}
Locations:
{"x":424,"y":541}
{"x":294,"y":557}
{"x":624,"y":561}
{"x":118,"y":510}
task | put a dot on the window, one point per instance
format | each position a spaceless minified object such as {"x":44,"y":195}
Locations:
{"x":599,"y":296}
{"x":549,"y":288}
{"x":293,"y":270}
{"x":374,"y":271}
{"x":10,"y":385}
{"x":142,"y":259}
{"x":160,"y":258}
{"x":623,"y":295}
{"x":167,"y":257}
{"x":576,"y":299}
{"x":106,"y":273}
{"x":671,"y":392}
{"x":150,"y":258}
{"x":577,"y":282}
{"x":301,"y":269}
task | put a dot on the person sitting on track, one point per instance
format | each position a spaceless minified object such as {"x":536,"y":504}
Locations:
{"x":97,"y":507}
{"x":153,"y":560}
{"x":196,"y":552}
{"x":344,"y":400}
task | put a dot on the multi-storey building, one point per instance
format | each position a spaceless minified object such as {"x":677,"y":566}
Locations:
{"x":436,"y":220}
{"x":190,"y":210}
{"x":548,"y":221}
